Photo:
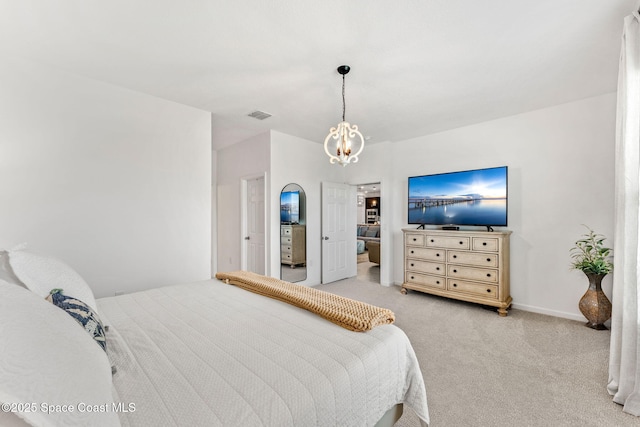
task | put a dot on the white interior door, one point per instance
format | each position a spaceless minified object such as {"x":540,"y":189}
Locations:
{"x":338,"y":231}
{"x":255,"y":226}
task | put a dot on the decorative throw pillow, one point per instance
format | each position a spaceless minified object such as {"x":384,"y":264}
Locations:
{"x":371,"y":233}
{"x":82,"y":313}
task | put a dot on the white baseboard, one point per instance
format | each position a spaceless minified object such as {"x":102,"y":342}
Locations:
{"x":548,"y":312}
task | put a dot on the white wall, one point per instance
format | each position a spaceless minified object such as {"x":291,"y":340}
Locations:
{"x":118,"y":184}
{"x":114,"y":182}
{"x":561,"y":175}
{"x":303,"y":162}
{"x":244,"y":160}
{"x":285,"y":159}
{"x":214,"y":210}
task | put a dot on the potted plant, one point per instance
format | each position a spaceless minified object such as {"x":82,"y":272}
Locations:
{"x":590,"y":256}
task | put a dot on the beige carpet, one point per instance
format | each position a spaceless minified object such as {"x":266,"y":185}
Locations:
{"x":296,"y":274}
{"x":484,"y":370}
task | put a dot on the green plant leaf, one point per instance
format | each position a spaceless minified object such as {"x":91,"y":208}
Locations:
{"x":590,"y":255}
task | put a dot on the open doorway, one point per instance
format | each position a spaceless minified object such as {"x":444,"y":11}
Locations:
{"x":369,"y":217}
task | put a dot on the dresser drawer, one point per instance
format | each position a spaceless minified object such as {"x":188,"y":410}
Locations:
{"x":485,"y":244}
{"x":285,"y":240}
{"x":426,"y":280}
{"x":472,"y":265}
{"x":286,"y":257}
{"x":479,"y":289}
{"x":424,"y":253}
{"x":471,"y":273}
{"x":448,"y":242}
{"x":285,"y":231}
{"x":425,"y":266}
{"x":414,"y":240}
{"x":285,"y":249}
{"x":473,"y":258}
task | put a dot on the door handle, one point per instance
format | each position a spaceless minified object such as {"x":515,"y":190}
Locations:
{"x":326,"y":237}
{"x":247,"y":238}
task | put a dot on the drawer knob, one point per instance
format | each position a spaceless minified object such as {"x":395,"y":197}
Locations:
{"x":484,"y":243}
{"x":488,"y":274}
{"x":411,"y":251}
{"x":437,"y":282}
{"x":455,"y":256}
{"x":438,"y":268}
{"x":489,"y":290}
{"x":414,"y":239}
{"x":437,"y":254}
{"x":455,"y":285}
{"x":411,"y":264}
{"x":460,"y":243}
{"x":488,"y":259}
{"x":412,"y":277}
{"x":455,"y":271}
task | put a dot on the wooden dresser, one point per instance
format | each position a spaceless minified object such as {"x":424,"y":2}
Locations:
{"x":466,"y":265}
{"x":293,"y":244}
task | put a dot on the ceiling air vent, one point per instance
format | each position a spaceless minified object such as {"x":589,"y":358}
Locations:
{"x":260,"y":115}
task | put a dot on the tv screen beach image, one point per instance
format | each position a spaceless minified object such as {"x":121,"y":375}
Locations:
{"x":475,"y":197}
{"x":290,"y":207}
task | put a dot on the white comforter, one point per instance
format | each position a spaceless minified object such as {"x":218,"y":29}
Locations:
{"x":207,"y":353}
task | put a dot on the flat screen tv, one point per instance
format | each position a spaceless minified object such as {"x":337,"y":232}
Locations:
{"x":473,"y":197}
{"x":290,"y":207}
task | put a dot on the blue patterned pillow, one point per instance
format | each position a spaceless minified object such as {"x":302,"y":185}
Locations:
{"x":82,"y":313}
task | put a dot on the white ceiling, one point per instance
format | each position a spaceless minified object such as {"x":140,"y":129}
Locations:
{"x":418,"y":66}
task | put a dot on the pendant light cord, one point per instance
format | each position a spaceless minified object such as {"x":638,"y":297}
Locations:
{"x":344,"y":108}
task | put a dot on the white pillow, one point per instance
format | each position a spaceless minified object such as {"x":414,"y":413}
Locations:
{"x":47,"y":358}
{"x":9,"y":419}
{"x":6,"y":272}
{"x":41,"y":274}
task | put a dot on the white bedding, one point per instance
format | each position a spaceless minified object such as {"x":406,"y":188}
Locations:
{"x":208,"y":353}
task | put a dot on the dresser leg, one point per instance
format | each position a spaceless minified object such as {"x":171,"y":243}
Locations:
{"x":502,"y":312}
{"x":403,"y":290}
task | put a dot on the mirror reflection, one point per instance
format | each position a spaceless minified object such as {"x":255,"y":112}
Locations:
{"x":293,"y":234}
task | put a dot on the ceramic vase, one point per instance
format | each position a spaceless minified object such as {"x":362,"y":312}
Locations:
{"x":594,"y":304}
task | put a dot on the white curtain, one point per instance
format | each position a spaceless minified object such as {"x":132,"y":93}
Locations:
{"x":624,"y":357}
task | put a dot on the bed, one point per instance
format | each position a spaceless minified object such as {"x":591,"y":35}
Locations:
{"x":203,"y":353}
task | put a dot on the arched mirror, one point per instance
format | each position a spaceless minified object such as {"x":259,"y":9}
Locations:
{"x":293,"y":234}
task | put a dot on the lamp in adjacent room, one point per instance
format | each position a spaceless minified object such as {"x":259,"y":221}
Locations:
{"x":345,"y":140}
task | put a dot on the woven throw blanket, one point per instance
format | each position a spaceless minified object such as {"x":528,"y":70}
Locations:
{"x":348,"y":313}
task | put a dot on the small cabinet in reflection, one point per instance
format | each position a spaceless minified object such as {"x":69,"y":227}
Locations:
{"x":293,"y":234}
{"x":293,"y":244}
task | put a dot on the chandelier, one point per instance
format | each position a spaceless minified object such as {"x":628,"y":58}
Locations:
{"x":345,"y":139}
